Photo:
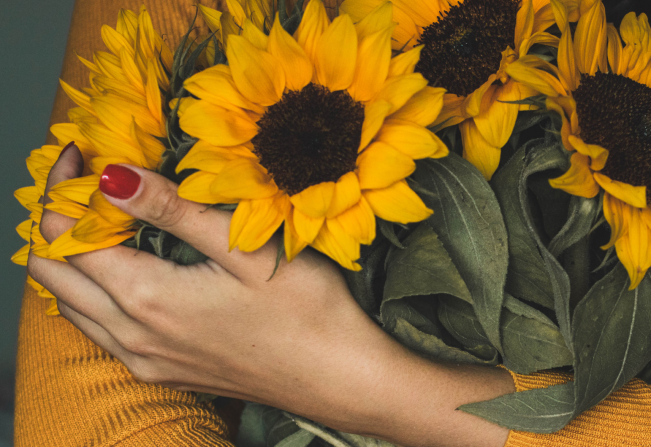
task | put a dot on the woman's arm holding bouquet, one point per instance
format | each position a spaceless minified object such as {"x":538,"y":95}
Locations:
{"x":298,"y":342}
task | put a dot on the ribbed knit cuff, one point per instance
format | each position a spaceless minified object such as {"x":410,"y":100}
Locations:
{"x":623,"y":419}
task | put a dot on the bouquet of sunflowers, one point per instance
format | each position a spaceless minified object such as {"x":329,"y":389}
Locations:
{"x":478,"y":169}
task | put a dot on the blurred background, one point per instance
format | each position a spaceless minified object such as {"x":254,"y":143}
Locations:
{"x":33,"y":35}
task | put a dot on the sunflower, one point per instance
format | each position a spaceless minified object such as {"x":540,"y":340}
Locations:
{"x":317,"y":131}
{"x":117,"y":121}
{"x":466,"y":47}
{"x":602,"y":91}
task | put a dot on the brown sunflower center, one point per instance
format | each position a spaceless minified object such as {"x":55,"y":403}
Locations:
{"x":465,"y":46}
{"x":615,"y":113}
{"x":309,"y":137}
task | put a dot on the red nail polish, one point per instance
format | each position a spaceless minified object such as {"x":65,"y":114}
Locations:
{"x":119,"y":182}
{"x":67,"y":146}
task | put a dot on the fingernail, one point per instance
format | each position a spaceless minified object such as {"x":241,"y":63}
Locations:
{"x":68,"y":146}
{"x":119,"y":182}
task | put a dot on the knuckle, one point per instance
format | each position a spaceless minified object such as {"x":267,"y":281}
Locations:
{"x":142,"y":301}
{"x":144,"y":371}
{"x":135,"y":344}
{"x":167,"y":209}
{"x":52,"y":226}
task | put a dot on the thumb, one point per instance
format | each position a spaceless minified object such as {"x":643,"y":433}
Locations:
{"x":150,"y":197}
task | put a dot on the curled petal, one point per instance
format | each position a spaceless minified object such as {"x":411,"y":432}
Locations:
{"x":578,"y":180}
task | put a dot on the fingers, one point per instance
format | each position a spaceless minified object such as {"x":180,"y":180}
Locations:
{"x":69,"y":165}
{"x":153,"y":198}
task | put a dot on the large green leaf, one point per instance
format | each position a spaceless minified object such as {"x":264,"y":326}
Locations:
{"x":612,"y":336}
{"x":469,"y":223}
{"x":544,"y":410}
{"x":461,"y":322}
{"x":545,"y":157}
{"x":582,"y":215}
{"x":433,"y":347}
{"x":527,"y":276}
{"x":423,"y":267}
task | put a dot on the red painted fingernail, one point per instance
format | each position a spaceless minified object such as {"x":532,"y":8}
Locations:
{"x":119,"y":182}
{"x":68,"y":146}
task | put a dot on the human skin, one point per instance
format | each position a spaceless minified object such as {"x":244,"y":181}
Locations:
{"x":298,"y":341}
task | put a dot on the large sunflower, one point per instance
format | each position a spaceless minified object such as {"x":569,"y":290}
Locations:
{"x":318,"y":131}
{"x":606,"y":121}
{"x":117,"y":121}
{"x":466,"y":47}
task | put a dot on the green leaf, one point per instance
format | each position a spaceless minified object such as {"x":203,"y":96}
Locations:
{"x":185,"y":254}
{"x":542,"y":158}
{"x":433,"y":347}
{"x":367,"y":284}
{"x":423,"y":267}
{"x":543,"y":410}
{"x":582,"y":215}
{"x":612,"y":336}
{"x":530,"y":345}
{"x":527,"y":277}
{"x":388,"y":231}
{"x":517,"y":307}
{"x":461,"y":322}
{"x":469,"y":223}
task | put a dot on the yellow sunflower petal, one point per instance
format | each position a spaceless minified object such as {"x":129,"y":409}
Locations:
{"x":373,"y":58}
{"x":358,"y":221}
{"x":70,"y":209}
{"x":614,"y":49}
{"x":397,"y":203}
{"x":92,"y":228}
{"x":209,"y":158}
{"x":597,"y":154}
{"x":110,"y":144}
{"x":127,"y":25}
{"x":97,"y":164}
{"x":524,"y":23}
{"x":380,"y":18}
{"x":197,"y":187}
{"x":336,"y":54}
{"x":117,"y":114}
{"x":567,"y":61}
{"x":380,"y":165}
{"x":633,"y":195}
{"x":315,"y":200}
{"x":634,"y":248}
{"x":541,"y":81}
{"x":216,"y":86}
{"x":578,"y":179}
{"x":348,"y":244}
{"x":347,"y":193}
{"x":398,"y":90}
{"x":423,"y":108}
{"x":24,"y":229}
{"x":27,"y":194}
{"x":244,"y":179}
{"x":66,"y":245}
{"x":306,"y":227}
{"x":291,"y":56}
{"x":411,"y":139}
{"x":76,"y":189}
{"x":590,"y":39}
{"x":313,"y":25}
{"x":108,"y":211}
{"x":338,"y":249}
{"x":424,"y":12}
{"x":293,"y":243}
{"x":405,"y":63}
{"x":217,"y":125}
{"x":496,"y":124}
{"x":254,"y":35}
{"x":614,"y":213}
{"x":261,"y":221}
{"x":211,"y":17}
{"x":483,"y":155}
{"x":21,"y":256}
{"x":256,"y":73}
{"x":79,"y":98}
{"x":374,"y":115}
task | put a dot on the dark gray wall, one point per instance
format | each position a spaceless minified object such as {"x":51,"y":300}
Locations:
{"x":33,"y":35}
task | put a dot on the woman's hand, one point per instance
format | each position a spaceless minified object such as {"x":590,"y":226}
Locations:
{"x":298,"y":341}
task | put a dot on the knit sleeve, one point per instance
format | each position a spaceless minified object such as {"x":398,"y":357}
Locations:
{"x":71,"y":393}
{"x":623,"y":419}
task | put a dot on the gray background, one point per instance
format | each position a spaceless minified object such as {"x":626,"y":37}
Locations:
{"x":33,"y":35}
